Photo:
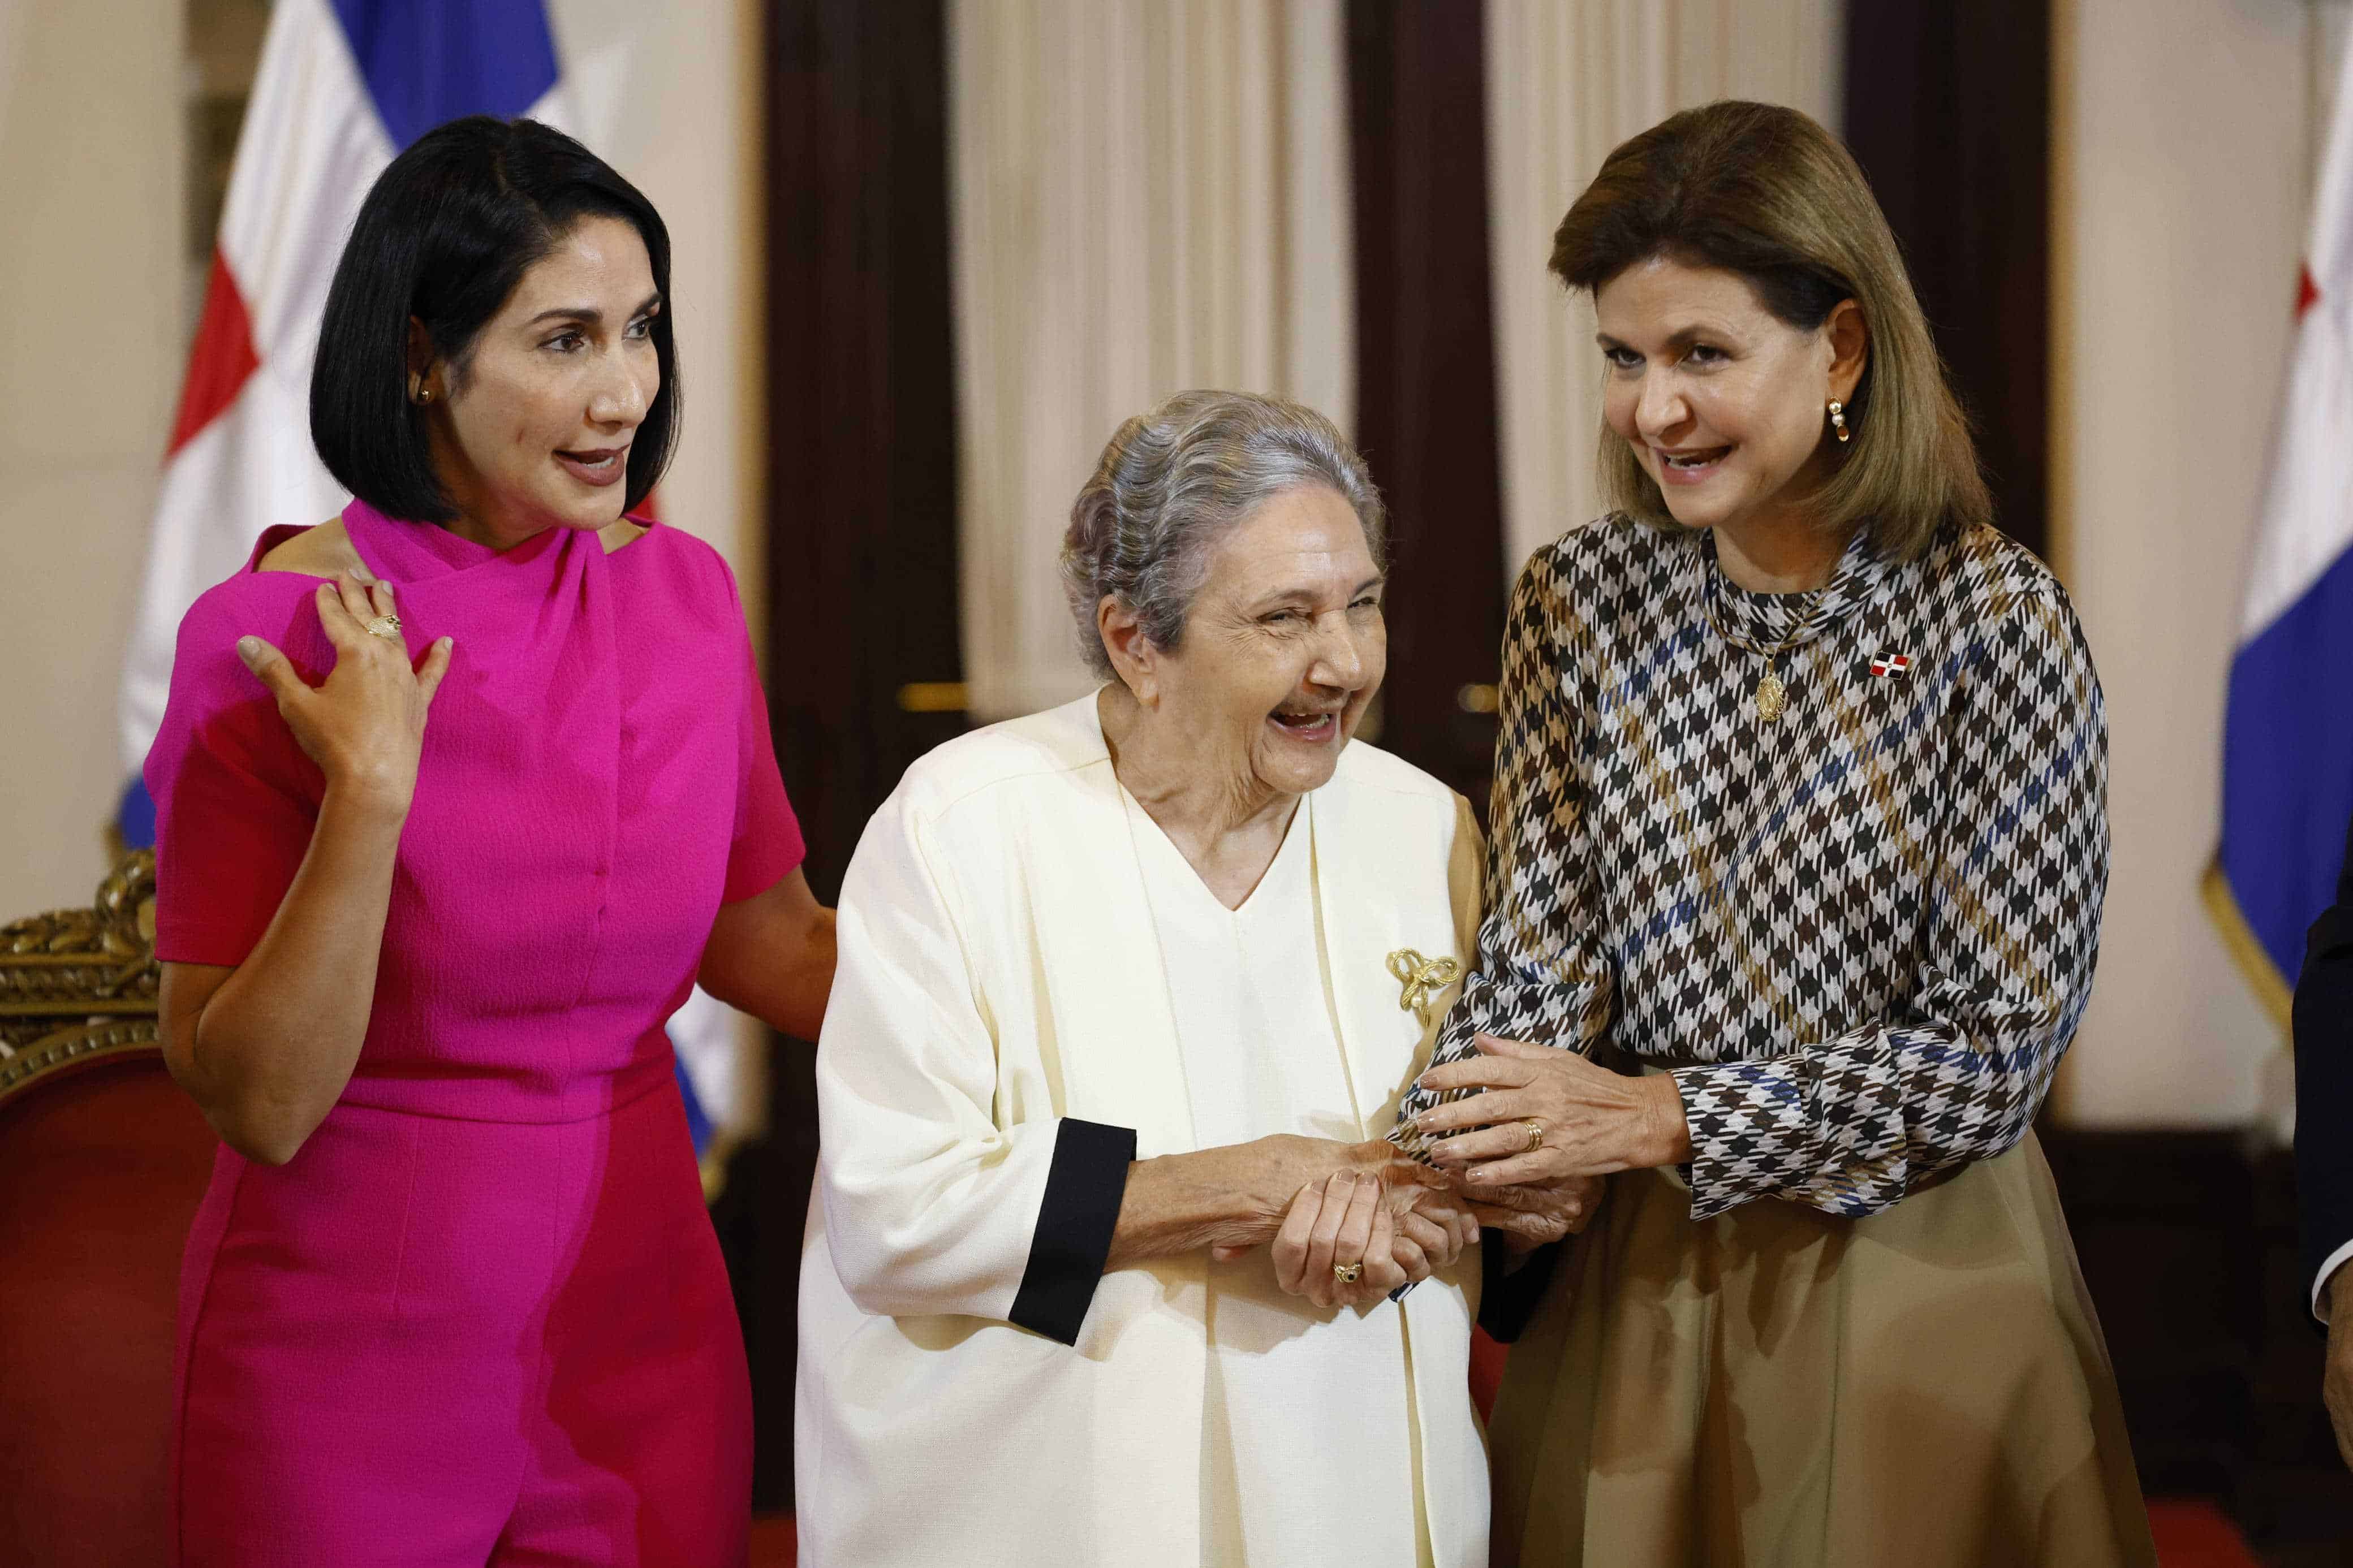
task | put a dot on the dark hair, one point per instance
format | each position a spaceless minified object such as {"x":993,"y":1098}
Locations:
{"x":1763,"y":192}
{"x":447,"y":233}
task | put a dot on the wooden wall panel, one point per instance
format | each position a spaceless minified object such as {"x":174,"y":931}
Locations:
{"x":861,"y":544}
{"x":1426,"y":415}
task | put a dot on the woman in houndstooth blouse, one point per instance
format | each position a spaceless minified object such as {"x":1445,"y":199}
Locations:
{"x":1798,"y":847}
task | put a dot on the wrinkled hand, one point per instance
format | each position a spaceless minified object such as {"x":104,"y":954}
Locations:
{"x":1280,"y":1165}
{"x":1534,"y":1214}
{"x":1434,"y":1225}
{"x":1430,"y":1224}
{"x":2337,"y":1382}
{"x":1594,"y":1120}
{"x":364,"y":725}
{"x":1342,"y":1220}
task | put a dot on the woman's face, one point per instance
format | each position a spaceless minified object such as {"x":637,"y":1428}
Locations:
{"x":1283,"y":647}
{"x":535,"y":432}
{"x":1724,"y":404}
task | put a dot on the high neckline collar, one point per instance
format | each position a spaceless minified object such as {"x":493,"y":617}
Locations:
{"x":405,"y":552}
{"x":1769,"y":617}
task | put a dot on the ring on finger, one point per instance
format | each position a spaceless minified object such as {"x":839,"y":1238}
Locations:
{"x":1348,"y":1273}
{"x":1536,"y":1135}
{"x":387,"y":626}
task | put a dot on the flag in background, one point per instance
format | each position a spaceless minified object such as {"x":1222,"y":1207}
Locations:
{"x":2287,"y":744}
{"x":343,"y":85}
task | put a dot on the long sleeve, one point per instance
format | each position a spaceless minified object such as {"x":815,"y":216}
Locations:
{"x":1958,"y":1072}
{"x":930,"y":1206}
{"x":1544,"y":973}
{"x":2324,"y":1088}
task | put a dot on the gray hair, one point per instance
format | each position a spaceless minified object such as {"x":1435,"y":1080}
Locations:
{"x":1172,"y":480}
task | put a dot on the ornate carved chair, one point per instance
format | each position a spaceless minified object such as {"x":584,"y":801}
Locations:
{"x":102,"y":1161}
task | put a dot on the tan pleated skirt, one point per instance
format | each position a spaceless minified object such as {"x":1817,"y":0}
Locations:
{"x":1780,"y":1388}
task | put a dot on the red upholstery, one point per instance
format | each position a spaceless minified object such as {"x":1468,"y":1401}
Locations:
{"x":100,"y":1173}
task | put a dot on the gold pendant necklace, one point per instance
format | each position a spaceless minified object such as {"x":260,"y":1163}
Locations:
{"x":1772,"y":698}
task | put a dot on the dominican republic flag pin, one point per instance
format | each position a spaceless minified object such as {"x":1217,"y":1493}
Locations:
{"x":1889,"y":664}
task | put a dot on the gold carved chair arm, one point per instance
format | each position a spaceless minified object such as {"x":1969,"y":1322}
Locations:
{"x":78,"y":987}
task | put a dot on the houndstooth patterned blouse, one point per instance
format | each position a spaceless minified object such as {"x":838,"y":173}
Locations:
{"x":1861,"y":936}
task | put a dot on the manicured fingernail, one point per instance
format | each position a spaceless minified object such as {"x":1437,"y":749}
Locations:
{"x":388,"y":589}
{"x":248,"y":648}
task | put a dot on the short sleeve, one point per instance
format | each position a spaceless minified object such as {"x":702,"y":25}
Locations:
{"x":767,"y":846}
{"x":236,"y":800}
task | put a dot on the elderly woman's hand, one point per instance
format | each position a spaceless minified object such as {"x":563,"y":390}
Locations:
{"x":1275,"y":1168}
{"x":1533,"y":1213}
{"x":1433,"y":1226}
{"x":1335,"y":1226}
{"x":1543,"y":1115}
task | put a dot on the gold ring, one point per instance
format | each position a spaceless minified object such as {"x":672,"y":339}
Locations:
{"x":1536,"y":1136}
{"x":387,"y":626}
{"x":1347,"y":1273}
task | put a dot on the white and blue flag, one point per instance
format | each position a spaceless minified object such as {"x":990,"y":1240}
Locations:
{"x":2287,"y":747}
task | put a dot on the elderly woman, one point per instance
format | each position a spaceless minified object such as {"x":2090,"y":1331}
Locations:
{"x":1128,"y":990}
{"x":453,"y":1296}
{"x":1798,"y":822}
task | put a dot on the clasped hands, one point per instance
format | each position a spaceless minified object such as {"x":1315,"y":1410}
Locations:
{"x":1405,"y":1222}
{"x":1399,"y":1224}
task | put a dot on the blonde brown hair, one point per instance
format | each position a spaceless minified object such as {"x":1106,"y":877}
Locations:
{"x":1764,"y":191}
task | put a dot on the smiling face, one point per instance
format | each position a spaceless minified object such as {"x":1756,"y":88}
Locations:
{"x":1723,"y":402}
{"x":1283,"y":647}
{"x":533,"y":431}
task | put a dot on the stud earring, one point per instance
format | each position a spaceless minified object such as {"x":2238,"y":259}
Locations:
{"x":1838,"y":420}
{"x":418,"y":391}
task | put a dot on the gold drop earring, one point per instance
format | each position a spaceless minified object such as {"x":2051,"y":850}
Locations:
{"x":1838,"y":421}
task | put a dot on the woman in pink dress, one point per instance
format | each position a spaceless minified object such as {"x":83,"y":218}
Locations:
{"x":453,"y":1298}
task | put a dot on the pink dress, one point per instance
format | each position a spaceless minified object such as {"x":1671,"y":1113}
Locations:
{"x":480,"y":1317}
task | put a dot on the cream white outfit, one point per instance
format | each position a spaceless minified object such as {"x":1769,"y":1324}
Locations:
{"x":1034,"y":988}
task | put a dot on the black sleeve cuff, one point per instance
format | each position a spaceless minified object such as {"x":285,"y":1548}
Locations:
{"x":1508,"y":1297}
{"x":1083,"y":1187}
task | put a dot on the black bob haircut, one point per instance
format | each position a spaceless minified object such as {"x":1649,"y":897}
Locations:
{"x":447,"y":233}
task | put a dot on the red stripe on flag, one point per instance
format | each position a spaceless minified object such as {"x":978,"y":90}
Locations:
{"x":2306,"y":293}
{"x":220,"y":360}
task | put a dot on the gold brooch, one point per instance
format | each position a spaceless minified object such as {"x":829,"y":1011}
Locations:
{"x":1422,"y":977}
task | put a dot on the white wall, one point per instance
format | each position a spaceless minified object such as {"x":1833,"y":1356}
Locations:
{"x":2182,"y":139}
{"x":92,"y":345}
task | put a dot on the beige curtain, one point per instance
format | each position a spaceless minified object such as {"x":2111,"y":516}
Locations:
{"x":1567,"y":81}
{"x":1146,"y":195}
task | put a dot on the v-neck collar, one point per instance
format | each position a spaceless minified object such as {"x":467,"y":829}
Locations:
{"x":1153,"y":841}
